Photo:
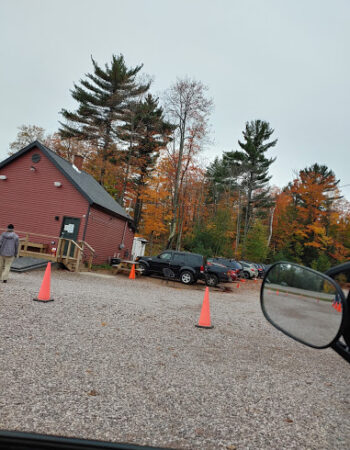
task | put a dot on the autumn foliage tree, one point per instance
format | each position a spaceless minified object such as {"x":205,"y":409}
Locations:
{"x":150,"y":133}
{"x":156,"y":217}
{"x":68,"y":148}
{"x":25,"y":136}
{"x":188,"y":108}
{"x":307,"y":219}
{"x":157,"y":200}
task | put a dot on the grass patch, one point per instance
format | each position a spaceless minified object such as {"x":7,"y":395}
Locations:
{"x":105,"y":266}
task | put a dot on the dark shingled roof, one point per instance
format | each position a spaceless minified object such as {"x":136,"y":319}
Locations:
{"x":82,"y":181}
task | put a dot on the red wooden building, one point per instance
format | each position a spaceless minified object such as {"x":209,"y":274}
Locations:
{"x":42,"y":193}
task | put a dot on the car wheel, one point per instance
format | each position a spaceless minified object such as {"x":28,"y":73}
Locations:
{"x":143,"y":268}
{"x":246,"y":275}
{"x":186,"y":277}
{"x":211,"y":280}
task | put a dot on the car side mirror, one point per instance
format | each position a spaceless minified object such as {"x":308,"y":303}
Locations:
{"x":302,"y":303}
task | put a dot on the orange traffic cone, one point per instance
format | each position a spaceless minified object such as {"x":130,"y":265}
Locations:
{"x":44,"y":293}
{"x":204,"y":319}
{"x":132,"y":273}
{"x":237,"y":285}
{"x":339,"y":307}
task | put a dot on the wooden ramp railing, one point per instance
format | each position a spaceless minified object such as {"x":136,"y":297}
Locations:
{"x":66,"y":251}
{"x":72,"y":253}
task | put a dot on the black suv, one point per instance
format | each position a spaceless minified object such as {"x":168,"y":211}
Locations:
{"x":186,"y":267}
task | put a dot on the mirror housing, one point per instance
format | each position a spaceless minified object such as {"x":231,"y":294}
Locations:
{"x":304,"y":304}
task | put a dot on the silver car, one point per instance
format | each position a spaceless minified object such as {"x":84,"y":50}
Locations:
{"x":249,"y":270}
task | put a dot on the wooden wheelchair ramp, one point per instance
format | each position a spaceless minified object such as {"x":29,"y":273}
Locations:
{"x":75,"y":256}
{"x":27,"y":263}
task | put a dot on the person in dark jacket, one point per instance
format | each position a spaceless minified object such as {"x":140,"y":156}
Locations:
{"x":9,"y":245}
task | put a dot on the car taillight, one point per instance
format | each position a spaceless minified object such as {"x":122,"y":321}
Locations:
{"x":202,"y":269}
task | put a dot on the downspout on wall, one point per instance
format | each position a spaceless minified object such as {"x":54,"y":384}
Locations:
{"x":86,"y":221}
{"x":122,"y":245}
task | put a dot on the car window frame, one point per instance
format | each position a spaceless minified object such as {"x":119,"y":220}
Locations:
{"x":165,"y":253}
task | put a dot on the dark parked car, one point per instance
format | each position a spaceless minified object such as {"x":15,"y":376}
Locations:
{"x":266,"y":267}
{"x":216,"y":273}
{"x":261,"y":269}
{"x":186,"y":267}
{"x":231,"y":263}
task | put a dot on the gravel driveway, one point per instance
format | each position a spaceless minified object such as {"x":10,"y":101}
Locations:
{"x":121,"y":360}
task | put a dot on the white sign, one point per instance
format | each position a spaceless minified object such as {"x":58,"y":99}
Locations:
{"x":69,"y":227}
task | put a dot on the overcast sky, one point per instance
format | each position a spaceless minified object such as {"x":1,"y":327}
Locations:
{"x":283,"y":61}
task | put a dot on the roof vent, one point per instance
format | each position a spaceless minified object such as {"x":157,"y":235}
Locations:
{"x":76,"y":168}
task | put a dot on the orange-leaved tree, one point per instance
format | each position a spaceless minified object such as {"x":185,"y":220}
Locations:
{"x":306,"y":219}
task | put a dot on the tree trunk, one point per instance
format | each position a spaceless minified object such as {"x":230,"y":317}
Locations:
{"x":125,"y":182}
{"x":181,"y":221}
{"x":199,"y":204}
{"x":177,"y":182}
{"x":238,"y":232}
{"x":139,"y":203}
{"x":270,"y":228}
{"x":247,"y":213}
{"x":151,"y":243}
{"x":105,"y":154}
{"x":179,"y":234}
{"x":138,"y":211}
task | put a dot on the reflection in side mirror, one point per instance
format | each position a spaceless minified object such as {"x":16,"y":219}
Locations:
{"x":304,"y":304}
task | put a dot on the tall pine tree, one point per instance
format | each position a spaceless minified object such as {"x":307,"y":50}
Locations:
{"x":148,"y":133}
{"x":103,"y":98}
{"x":256,"y":166}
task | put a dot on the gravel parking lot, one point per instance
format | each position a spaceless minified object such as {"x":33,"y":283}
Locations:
{"x":121,"y":360}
